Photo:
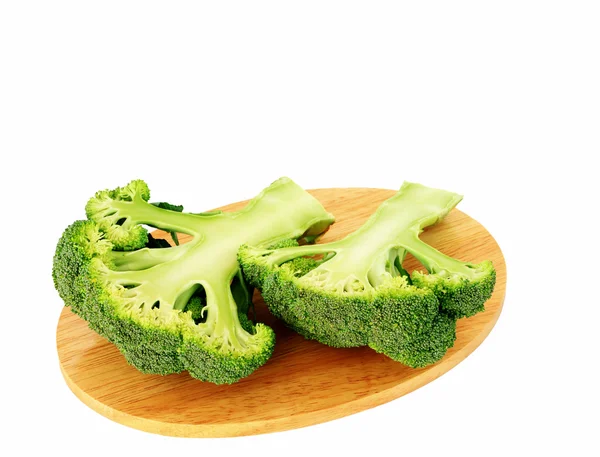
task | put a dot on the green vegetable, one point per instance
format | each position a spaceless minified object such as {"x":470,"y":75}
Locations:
{"x":184,"y":307}
{"x":355,"y":292}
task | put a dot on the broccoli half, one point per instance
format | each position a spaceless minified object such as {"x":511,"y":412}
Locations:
{"x":355,"y":292}
{"x":181,"y":307}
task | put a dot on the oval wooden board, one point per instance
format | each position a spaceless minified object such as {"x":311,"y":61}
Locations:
{"x":305,"y":382}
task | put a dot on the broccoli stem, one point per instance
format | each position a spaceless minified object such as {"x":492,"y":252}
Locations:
{"x":184,"y":297}
{"x":143,"y":258}
{"x":384,"y":268}
{"x":138,"y":211}
{"x":399,"y":260}
{"x":395,"y":226}
{"x":242,"y":293}
{"x":283,"y":255}
{"x":435,"y":261}
{"x":259,"y":212}
{"x":375,"y":251}
{"x":222,"y":319}
{"x":409,"y":211}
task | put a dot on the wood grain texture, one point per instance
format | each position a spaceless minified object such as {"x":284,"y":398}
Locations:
{"x":305,"y":382}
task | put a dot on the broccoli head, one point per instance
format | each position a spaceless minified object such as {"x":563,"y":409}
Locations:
{"x":355,"y":291}
{"x":182,"y":307}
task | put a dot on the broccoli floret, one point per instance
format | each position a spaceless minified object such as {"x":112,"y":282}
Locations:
{"x":183,"y":307}
{"x":355,"y":292}
{"x":462,"y":287}
{"x":196,"y":307}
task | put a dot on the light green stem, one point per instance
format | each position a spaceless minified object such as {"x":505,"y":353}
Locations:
{"x":433,"y":260}
{"x":396,"y":223}
{"x":143,"y":258}
{"x":141,"y":212}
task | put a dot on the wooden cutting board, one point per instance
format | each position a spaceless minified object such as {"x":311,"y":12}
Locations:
{"x":305,"y":382}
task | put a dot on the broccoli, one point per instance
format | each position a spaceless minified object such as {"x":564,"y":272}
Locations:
{"x":182,"y":307}
{"x":355,"y":291}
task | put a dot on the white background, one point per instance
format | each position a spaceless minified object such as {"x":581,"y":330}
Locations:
{"x":209,"y":103}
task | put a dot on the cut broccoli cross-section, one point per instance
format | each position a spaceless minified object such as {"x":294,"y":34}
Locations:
{"x":355,"y":291}
{"x":183,"y":307}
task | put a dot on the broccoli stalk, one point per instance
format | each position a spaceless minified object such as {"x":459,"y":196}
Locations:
{"x":358,"y":293}
{"x":182,"y":307}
